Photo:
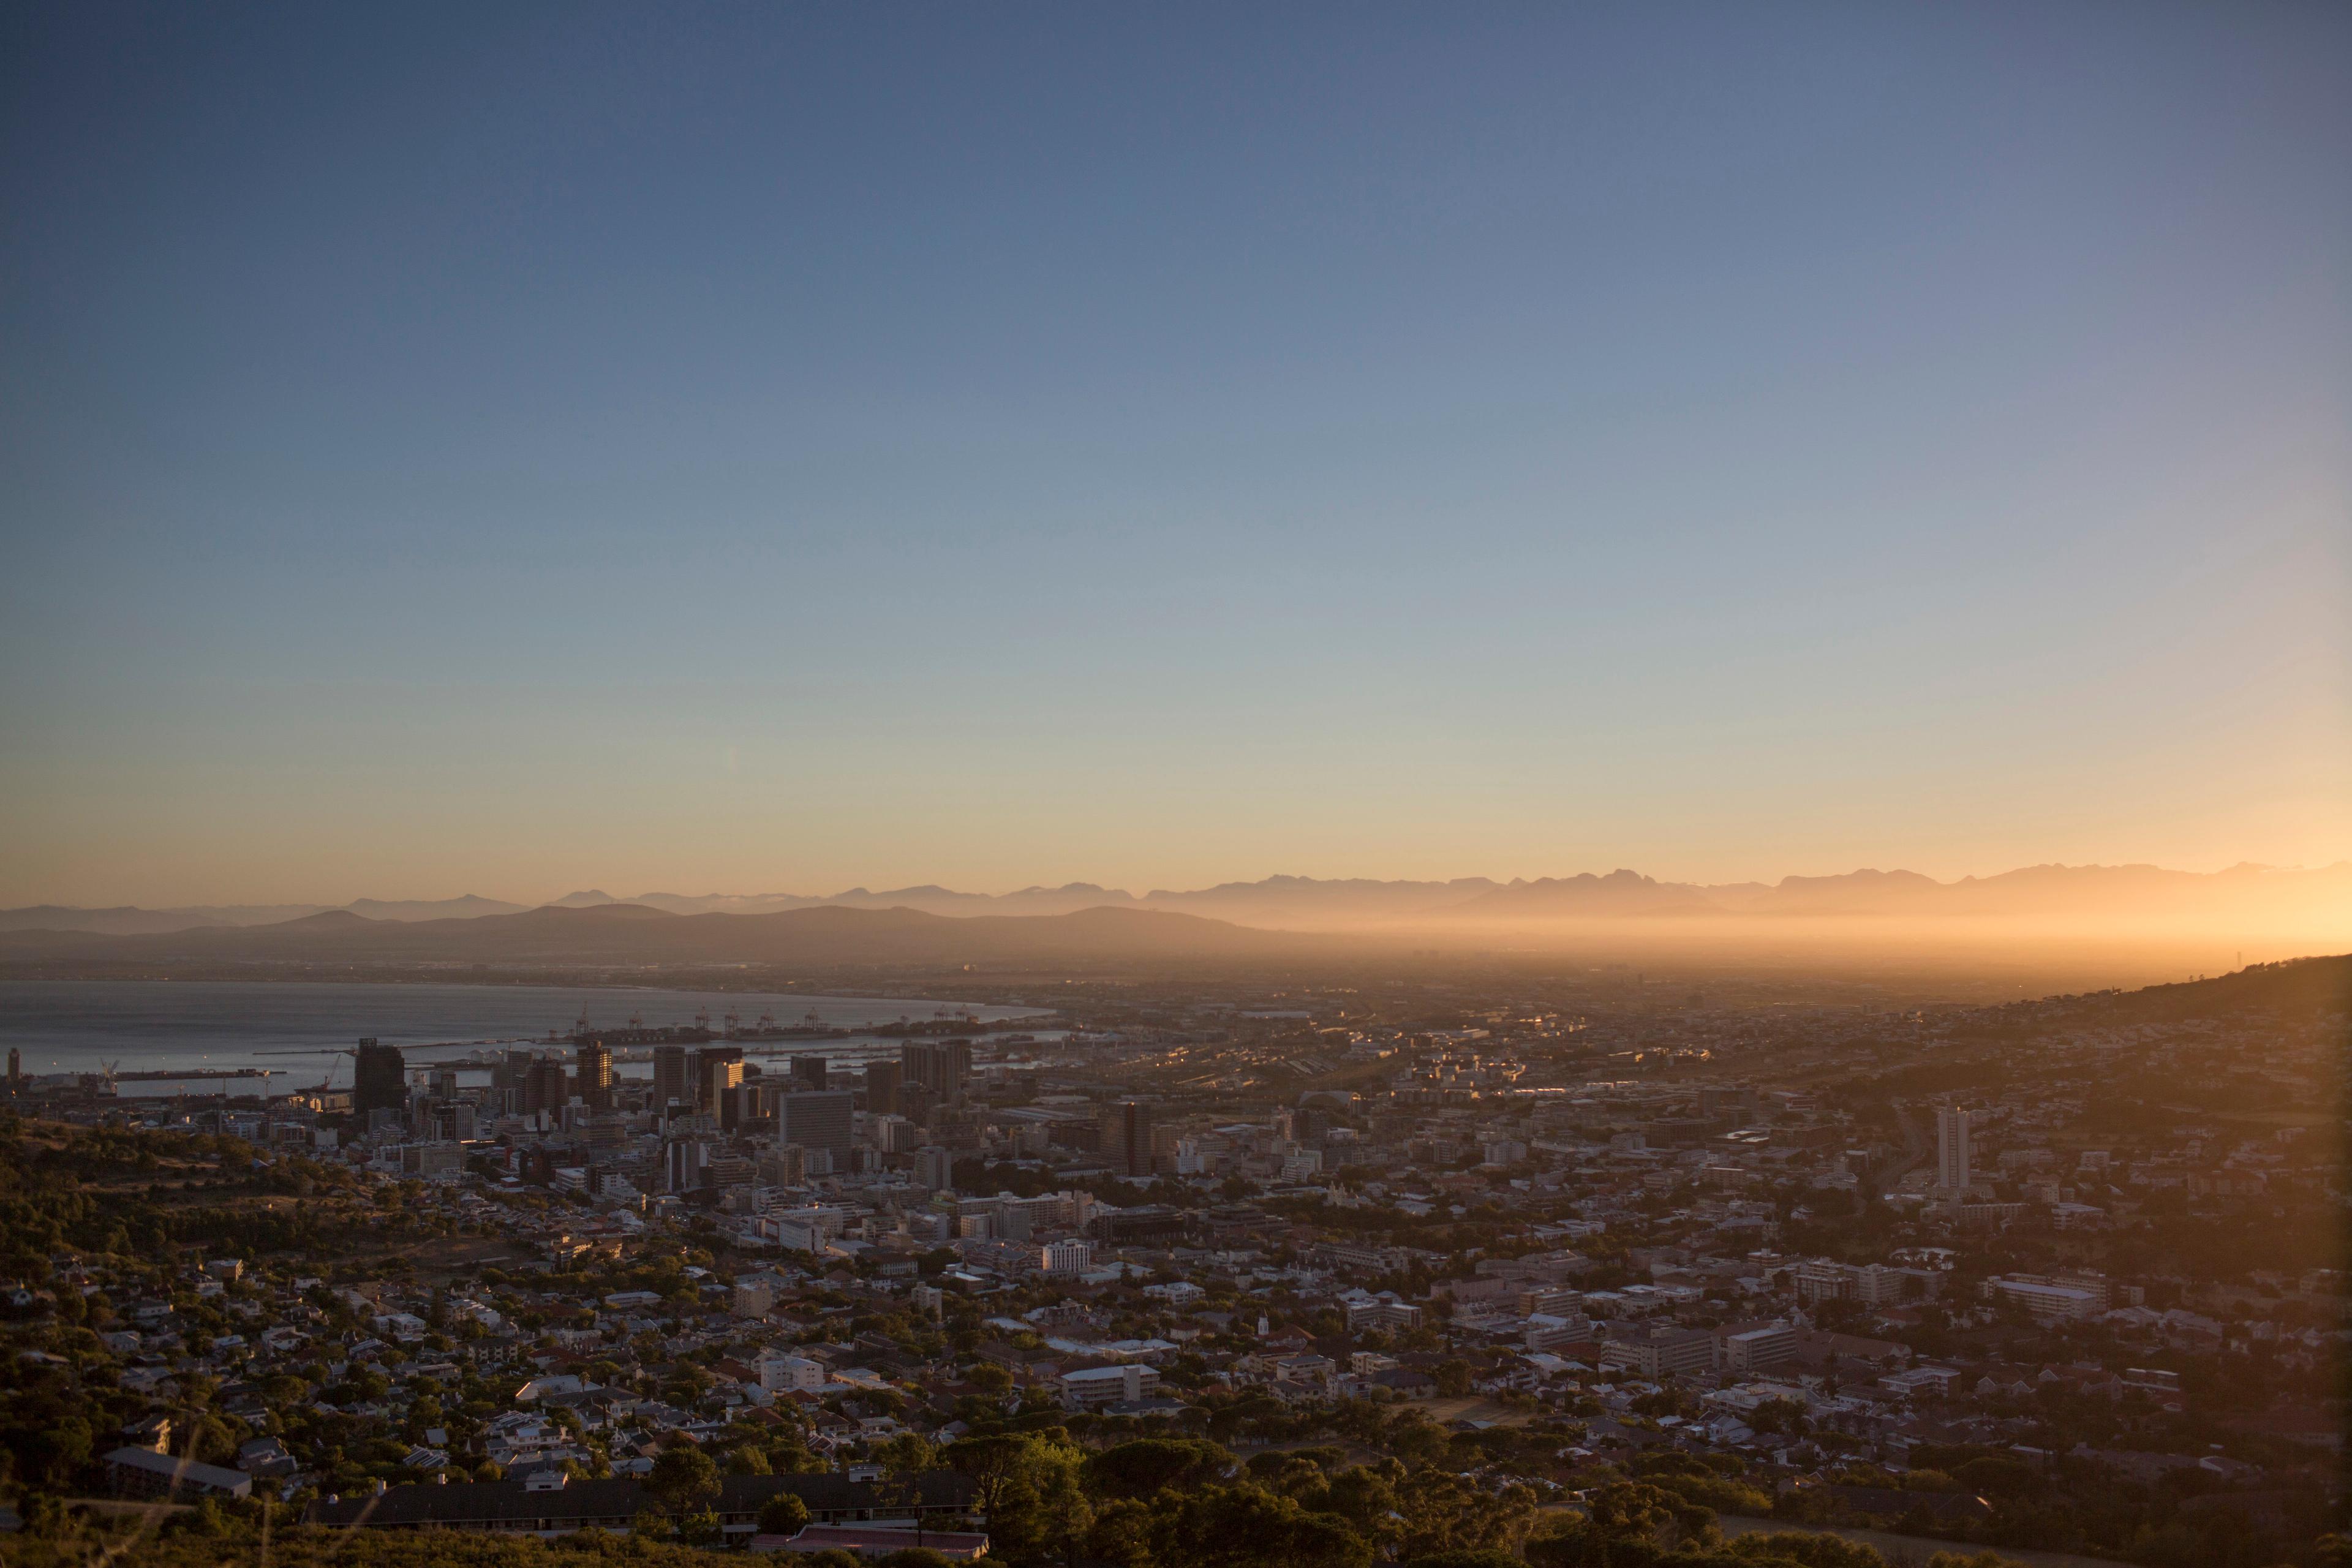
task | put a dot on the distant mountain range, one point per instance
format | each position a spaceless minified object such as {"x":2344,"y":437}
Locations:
{"x":1308,"y":904}
{"x":636,"y":934}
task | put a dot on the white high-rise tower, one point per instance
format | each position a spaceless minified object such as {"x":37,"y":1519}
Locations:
{"x":1952,"y":1149}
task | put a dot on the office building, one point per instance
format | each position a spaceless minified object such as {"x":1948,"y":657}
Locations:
{"x":592,"y":1070}
{"x":940,"y":1067}
{"x":808,"y":1072}
{"x":882,"y":1088}
{"x":817,"y":1120}
{"x":544,"y":1087}
{"x":1127,"y":1137}
{"x":1663,"y":1353}
{"x":717,"y":1070}
{"x":1090,"y":1386}
{"x":379,"y":1079}
{"x":935,"y":1169}
{"x":1067,"y":1257}
{"x":682,"y":1163}
{"x":745,"y":1105}
{"x":1752,"y":1350}
{"x":673,"y":1081}
{"x":786,"y":1167}
{"x":893,"y":1134}
{"x":2047,"y":1300}
{"x":1952,"y":1149}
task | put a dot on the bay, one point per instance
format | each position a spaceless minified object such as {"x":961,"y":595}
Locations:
{"x":302,"y":1028}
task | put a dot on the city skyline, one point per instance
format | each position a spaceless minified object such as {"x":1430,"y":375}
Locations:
{"x":1361,"y":787}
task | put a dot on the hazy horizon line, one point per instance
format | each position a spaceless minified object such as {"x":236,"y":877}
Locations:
{"x":879,"y":887}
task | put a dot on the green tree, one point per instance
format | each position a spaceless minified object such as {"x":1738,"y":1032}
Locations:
{"x":783,"y":1514}
{"x":1028,"y":1484}
{"x":682,"y":1476}
{"x":1442,"y":1512}
{"x":1999,"y":1475}
{"x":1122,"y":1532}
{"x":908,"y":1454}
{"x":1145,"y":1466}
{"x":1628,"y":1509}
{"x":1246,"y":1526}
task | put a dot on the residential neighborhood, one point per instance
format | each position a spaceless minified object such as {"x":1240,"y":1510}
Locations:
{"x":1819,"y":1268}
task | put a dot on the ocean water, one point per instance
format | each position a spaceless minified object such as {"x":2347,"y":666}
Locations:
{"x":301,"y":1029}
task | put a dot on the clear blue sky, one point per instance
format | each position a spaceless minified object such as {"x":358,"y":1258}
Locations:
{"x":705,"y":447}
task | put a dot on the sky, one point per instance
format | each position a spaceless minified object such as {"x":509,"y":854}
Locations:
{"x":747,"y":449}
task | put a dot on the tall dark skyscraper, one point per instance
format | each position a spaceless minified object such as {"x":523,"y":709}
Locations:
{"x":544,"y":1087}
{"x":808,"y":1072}
{"x":1127,"y":1137}
{"x":815,"y":1120}
{"x":379,"y":1078}
{"x":941,"y":1067}
{"x":673,"y":1078}
{"x":746,"y":1104}
{"x":882,"y":1088}
{"x":717,"y":1070}
{"x":593,"y":1067}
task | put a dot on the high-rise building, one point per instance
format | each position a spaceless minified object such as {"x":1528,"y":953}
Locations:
{"x":544,"y":1087}
{"x":815,"y":1119}
{"x":718,"y":1068}
{"x":1127,"y":1137}
{"x":682,"y":1163}
{"x":593,"y":1067}
{"x":808,"y":1072}
{"x":882,"y":1088}
{"x":673,"y":1078}
{"x":935,"y":1169}
{"x":745,"y":1105}
{"x":379,"y":1079}
{"x":942,"y":1066}
{"x":782,"y":1167}
{"x":1952,"y":1149}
